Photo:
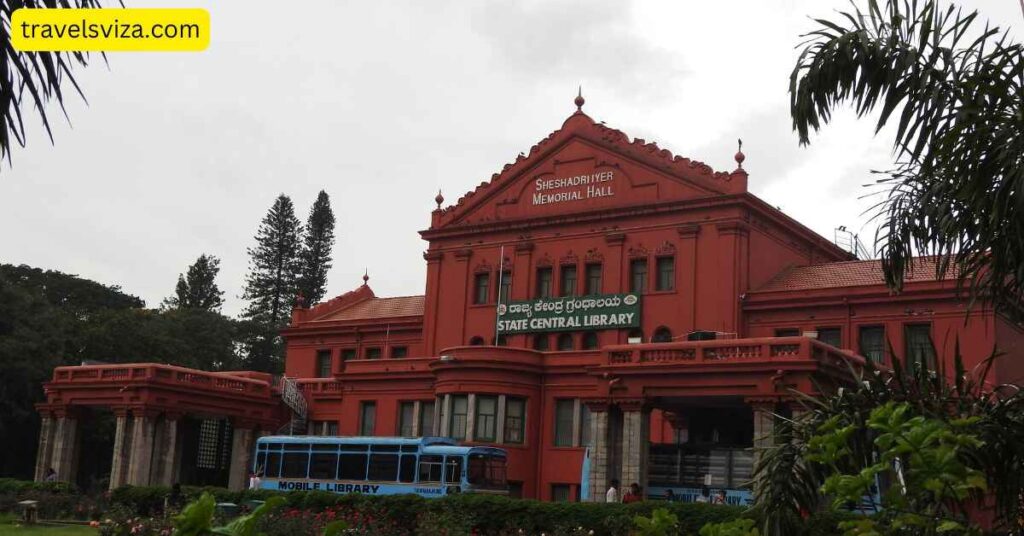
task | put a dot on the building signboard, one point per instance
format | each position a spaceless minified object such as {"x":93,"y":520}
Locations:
{"x":570,"y":313}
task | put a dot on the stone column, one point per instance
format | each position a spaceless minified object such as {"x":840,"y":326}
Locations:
{"x":65,"y":447}
{"x":122,"y":449}
{"x":164,"y":470}
{"x":417,"y":410}
{"x":241,"y":456}
{"x":636,"y":438}
{"x":141,"y":452}
{"x":471,"y":417}
{"x":44,"y":454}
{"x":598,"y":451}
{"x":764,"y":425}
{"x":446,"y":412}
{"x":499,"y":432}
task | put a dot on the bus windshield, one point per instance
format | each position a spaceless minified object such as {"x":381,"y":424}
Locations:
{"x":486,"y":471}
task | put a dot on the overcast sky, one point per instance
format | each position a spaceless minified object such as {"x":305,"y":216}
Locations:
{"x":383,"y":103}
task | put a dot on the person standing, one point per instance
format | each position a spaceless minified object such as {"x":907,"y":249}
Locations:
{"x":51,"y":475}
{"x":612,"y":495}
{"x":633,"y":494}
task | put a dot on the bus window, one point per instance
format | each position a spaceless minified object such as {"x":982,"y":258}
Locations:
{"x":294,"y":465}
{"x":453,"y":470}
{"x":430,"y":469}
{"x":273,"y":467}
{"x":383,"y":467}
{"x":361,"y":447}
{"x":385,"y":448}
{"x":261,"y":462}
{"x":352,"y":467}
{"x":407,"y":469}
{"x":486,"y":472}
{"x":323,"y":466}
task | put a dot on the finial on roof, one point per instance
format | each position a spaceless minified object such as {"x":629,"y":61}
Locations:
{"x":579,"y":100}
{"x":740,"y":157}
{"x":366,"y":276}
{"x":439,"y":199}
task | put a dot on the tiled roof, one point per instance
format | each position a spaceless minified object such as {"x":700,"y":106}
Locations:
{"x":844,"y":274}
{"x":375,"y":308}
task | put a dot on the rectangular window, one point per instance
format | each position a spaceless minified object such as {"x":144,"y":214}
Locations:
{"x":398,"y":352}
{"x":563,"y":422}
{"x":460,"y":412}
{"x":787,"y":332}
{"x":348,"y":354}
{"x":373,"y":353}
{"x":593,"y":278}
{"x":568,"y":283}
{"x":638,"y":275}
{"x":543,"y":282}
{"x":585,"y":440}
{"x":323,"y":364}
{"x":323,"y":465}
{"x":666,"y":274}
{"x":407,"y":469}
{"x":486,"y":418}
{"x":918,"y":342}
{"x":406,"y":410}
{"x":427,"y":418}
{"x":515,"y":419}
{"x":430,"y":468}
{"x":332,"y":428}
{"x":872,"y":343}
{"x":481,"y":287}
{"x":505,"y":287}
{"x":367,"y":418}
{"x":831,"y":336}
{"x":383,"y":467}
{"x":560,"y":492}
{"x":294,"y":465}
{"x":352,"y":466}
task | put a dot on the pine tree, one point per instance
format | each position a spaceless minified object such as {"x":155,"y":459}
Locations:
{"x":197,"y":289}
{"x":316,"y":253}
{"x":273,"y":282}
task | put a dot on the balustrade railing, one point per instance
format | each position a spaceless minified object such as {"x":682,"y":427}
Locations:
{"x":159,"y":374}
{"x":732,"y":350}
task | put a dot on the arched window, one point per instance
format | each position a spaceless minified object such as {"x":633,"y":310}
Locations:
{"x":635,"y":333}
{"x":476,"y":341}
{"x":540,"y":342}
{"x":565,"y":342}
{"x":662,"y":334}
{"x":590,"y":340}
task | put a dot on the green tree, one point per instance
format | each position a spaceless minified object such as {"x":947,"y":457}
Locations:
{"x":316,"y":250}
{"x":954,"y":92}
{"x":273,"y":282}
{"x":40,"y":77}
{"x":198,"y":288}
{"x":928,"y":449}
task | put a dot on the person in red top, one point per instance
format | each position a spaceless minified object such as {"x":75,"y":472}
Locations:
{"x":634,"y":494}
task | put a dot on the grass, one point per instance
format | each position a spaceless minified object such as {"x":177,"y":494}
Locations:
{"x":8,"y":527}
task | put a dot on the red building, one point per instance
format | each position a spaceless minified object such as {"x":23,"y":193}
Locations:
{"x":599,"y":291}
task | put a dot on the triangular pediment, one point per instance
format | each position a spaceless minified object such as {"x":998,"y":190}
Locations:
{"x":585,"y":167}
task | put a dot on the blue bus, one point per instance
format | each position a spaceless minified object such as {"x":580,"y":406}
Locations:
{"x":426,"y":466}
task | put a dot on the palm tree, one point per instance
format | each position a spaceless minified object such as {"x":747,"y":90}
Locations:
{"x":953,"y":91}
{"x":32,"y":78}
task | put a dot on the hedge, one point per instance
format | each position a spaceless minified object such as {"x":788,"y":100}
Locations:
{"x":408,"y":514}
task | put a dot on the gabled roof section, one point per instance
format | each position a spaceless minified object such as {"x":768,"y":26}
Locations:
{"x":379,"y":308}
{"x":845,"y":274}
{"x":698,"y":177}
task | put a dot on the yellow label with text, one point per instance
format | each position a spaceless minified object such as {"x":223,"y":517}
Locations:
{"x":110,"y":29}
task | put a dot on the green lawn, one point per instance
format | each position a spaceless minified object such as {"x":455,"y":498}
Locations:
{"x":9,"y":529}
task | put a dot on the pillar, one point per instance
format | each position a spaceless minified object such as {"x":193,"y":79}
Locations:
{"x":598,"y":452}
{"x":122,"y":449}
{"x":65,"y":447}
{"x":446,"y":415}
{"x":241,"y":452}
{"x":44,"y":454}
{"x":636,"y":436}
{"x":499,"y":436}
{"x":764,"y":426}
{"x":166,"y":451}
{"x":471,"y":417}
{"x":140,"y":459}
